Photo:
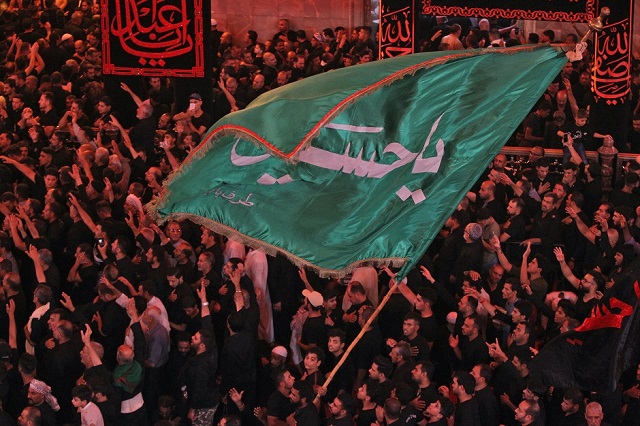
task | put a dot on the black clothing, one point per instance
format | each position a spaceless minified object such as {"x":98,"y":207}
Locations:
{"x":279,"y":406}
{"x":237,"y":361}
{"x":410,"y":416}
{"x":489,"y":408}
{"x":468,"y":413}
{"x":47,"y":415}
{"x":515,"y":228}
{"x":307,"y":416}
{"x":60,"y":368}
{"x":428,"y":328}
{"x":402,"y":373}
{"x":367,"y":348}
{"x":446,"y":261}
{"x":314,"y":331}
{"x":497,"y":209}
{"x":198,"y":377}
{"x":49,"y":118}
{"x":547,"y":228}
{"x":344,"y":376}
{"x":474,"y":352}
{"x":366,"y":417}
{"x":422,"y":345}
{"x":345,"y":421}
{"x":143,"y":135}
{"x":62,"y":157}
{"x":429,"y":394}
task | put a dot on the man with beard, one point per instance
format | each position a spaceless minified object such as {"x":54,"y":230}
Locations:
{"x":200,"y":393}
{"x":306,"y":413}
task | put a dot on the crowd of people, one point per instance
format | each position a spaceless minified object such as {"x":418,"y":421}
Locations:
{"x":251,"y":67}
{"x":109,"y":317}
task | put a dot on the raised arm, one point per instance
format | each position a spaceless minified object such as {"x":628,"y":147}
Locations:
{"x":13,"y":332}
{"x":504,"y":262}
{"x":486,"y":303}
{"x":31,"y":227}
{"x":86,"y":218}
{"x":134,"y":97}
{"x":566,"y":271}
{"x":582,"y":227}
{"x":17,"y":233}
{"x":524,"y":276}
{"x":35,"y":257}
{"x":571,"y":97}
{"x":22,"y":168}
{"x":228,"y":95}
{"x":86,"y":339}
{"x":125,"y":138}
{"x":303,"y":276}
{"x":35,"y":60}
{"x":173,"y":161}
{"x":575,"y":157}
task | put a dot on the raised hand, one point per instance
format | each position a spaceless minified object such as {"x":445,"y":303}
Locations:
{"x":86,"y":334}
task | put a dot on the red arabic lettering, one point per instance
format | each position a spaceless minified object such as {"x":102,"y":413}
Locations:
{"x":152,"y":28}
{"x":603,"y":317}
{"x":394,"y":31}
{"x":612,"y":63}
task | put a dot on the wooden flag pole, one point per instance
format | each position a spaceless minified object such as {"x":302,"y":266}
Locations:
{"x":358,"y":337}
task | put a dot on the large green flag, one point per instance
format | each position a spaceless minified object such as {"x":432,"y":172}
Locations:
{"x":363,"y":163}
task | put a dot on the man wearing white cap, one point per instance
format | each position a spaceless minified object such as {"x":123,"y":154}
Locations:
{"x":66,"y":44}
{"x":267,"y":383}
{"x":313,"y":331}
{"x":278,"y":356}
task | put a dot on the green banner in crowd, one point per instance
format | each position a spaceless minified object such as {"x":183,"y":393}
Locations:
{"x":363,"y":163}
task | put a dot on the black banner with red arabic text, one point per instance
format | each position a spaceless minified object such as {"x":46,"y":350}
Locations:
{"x":153,"y":38}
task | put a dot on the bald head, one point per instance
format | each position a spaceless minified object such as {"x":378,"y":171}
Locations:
{"x":269,"y":59}
{"x":258,"y":82}
{"x":125,"y":354}
{"x":561,"y":97}
{"x":153,"y":313}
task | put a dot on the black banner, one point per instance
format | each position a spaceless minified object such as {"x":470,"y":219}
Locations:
{"x":396,"y":28}
{"x":153,"y":38}
{"x":611,"y":82}
{"x":543,"y":10}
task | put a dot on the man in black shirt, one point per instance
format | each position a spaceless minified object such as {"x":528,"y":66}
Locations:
{"x":410,"y":330}
{"x":314,"y":331}
{"x":306,"y":413}
{"x":470,"y":348}
{"x":489,"y":409}
{"x":279,"y":406}
{"x":467,"y":410}
{"x":422,"y":374}
{"x":527,"y":412}
{"x":342,"y":409}
{"x":514,"y":228}
{"x":358,"y":298}
{"x":439,"y":412}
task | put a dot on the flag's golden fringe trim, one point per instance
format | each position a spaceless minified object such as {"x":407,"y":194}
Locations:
{"x":272,"y":250}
